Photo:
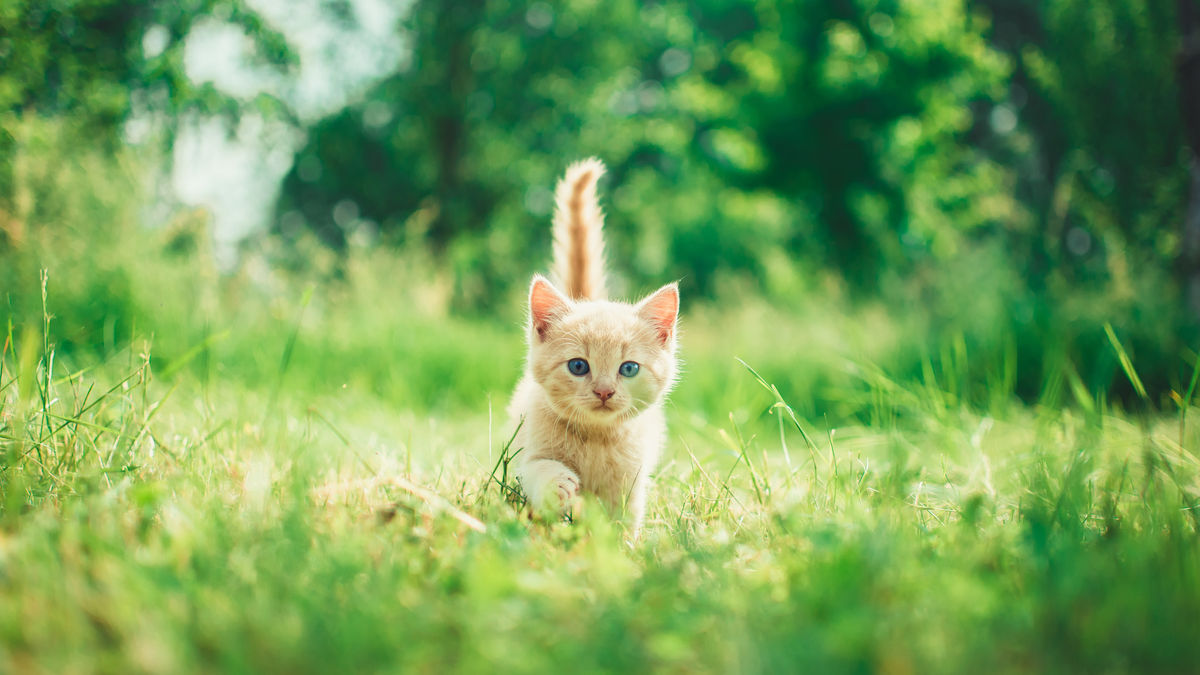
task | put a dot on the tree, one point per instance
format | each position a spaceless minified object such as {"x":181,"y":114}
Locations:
{"x":92,"y":64}
{"x":730,"y":129}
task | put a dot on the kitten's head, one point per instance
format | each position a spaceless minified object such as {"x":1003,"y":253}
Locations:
{"x":601,"y":361}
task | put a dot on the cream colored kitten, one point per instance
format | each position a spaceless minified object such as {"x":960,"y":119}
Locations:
{"x":597,"y":371}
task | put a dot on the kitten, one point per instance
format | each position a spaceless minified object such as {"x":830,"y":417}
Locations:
{"x":596,"y":373}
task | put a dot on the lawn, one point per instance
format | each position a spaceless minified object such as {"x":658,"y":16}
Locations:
{"x":182,"y":518}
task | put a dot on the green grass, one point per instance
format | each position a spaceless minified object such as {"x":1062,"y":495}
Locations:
{"x":290,"y":470}
{"x":287,"y":469}
{"x":305,"y":516}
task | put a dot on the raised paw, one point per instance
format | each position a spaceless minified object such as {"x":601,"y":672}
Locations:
{"x":552,"y":486}
{"x":566,"y":487}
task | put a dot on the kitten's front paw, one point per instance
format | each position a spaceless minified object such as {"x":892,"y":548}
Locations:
{"x":552,"y":486}
{"x":566,"y":488}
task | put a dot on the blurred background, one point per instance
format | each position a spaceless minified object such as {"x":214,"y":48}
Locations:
{"x":965,"y":192}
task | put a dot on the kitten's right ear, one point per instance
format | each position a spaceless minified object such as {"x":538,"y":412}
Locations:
{"x":661,"y":309}
{"x":545,"y":305}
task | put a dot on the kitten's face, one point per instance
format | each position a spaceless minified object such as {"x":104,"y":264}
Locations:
{"x":600,"y":362}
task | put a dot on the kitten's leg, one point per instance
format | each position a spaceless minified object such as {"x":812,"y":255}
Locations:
{"x":637,"y":507}
{"x":549,"y":484}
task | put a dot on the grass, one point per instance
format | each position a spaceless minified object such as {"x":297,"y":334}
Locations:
{"x":306,"y":518}
{"x":268,"y":471}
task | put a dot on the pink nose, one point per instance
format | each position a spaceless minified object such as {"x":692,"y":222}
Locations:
{"x":603,"y":394}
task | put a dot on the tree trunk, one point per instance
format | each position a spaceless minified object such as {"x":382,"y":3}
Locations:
{"x":1188,"y":71}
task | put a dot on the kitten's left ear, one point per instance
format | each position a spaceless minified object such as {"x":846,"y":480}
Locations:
{"x":545,"y":305}
{"x":661,"y":309}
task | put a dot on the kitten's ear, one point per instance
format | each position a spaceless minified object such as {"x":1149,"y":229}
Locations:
{"x":545,"y":305}
{"x":661,"y":309}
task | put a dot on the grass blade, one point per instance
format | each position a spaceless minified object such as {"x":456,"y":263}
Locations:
{"x":1126,"y":363}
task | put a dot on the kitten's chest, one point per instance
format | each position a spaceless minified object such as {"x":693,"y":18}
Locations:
{"x":608,"y":464}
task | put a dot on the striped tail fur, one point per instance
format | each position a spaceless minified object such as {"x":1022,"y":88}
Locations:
{"x":578,"y":241}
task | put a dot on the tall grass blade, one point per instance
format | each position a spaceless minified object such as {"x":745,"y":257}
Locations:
{"x":783,"y":405}
{"x":286,"y":359}
{"x":1126,"y":363}
{"x":198,"y":349}
{"x":1187,"y":401}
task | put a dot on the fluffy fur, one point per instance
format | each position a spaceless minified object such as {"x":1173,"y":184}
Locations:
{"x":578,"y":240}
{"x":601,"y":432}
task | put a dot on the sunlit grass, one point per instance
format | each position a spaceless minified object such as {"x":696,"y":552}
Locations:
{"x":304,"y":471}
{"x":201,"y":523}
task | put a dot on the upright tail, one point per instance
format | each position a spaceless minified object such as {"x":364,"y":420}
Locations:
{"x":578,"y":241}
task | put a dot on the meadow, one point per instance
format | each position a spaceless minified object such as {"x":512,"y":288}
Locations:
{"x":263,"y":267}
{"x":319,"y":483}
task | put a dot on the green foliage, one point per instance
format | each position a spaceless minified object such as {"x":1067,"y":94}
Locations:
{"x":834,"y":131}
{"x":957,"y":158}
{"x":862,"y":112}
{"x":112,"y":284}
{"x":1123,"y":155}
{"x":919,"y":151}
{"x":1104,"y":171}
{"x":98,"y":63}
{"x":92,"y":59}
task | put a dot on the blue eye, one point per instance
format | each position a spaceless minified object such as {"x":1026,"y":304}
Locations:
{"x":629,"y":369}
{"x":578,"y":367}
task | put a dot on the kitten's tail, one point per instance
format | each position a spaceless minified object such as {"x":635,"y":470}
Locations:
{"x":578,"y":241}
